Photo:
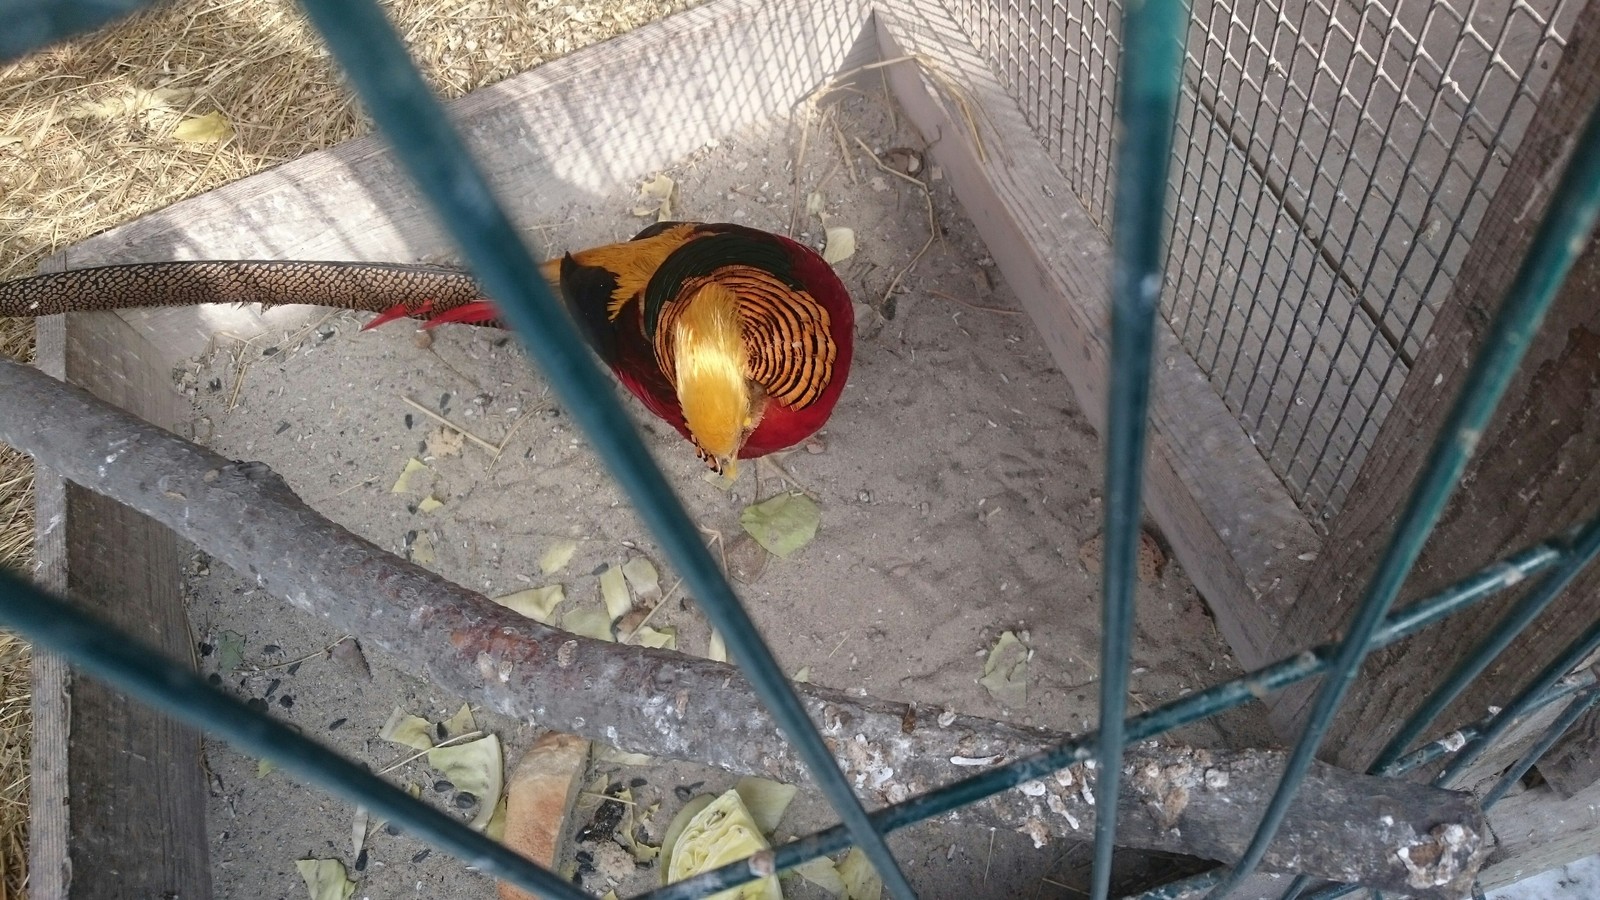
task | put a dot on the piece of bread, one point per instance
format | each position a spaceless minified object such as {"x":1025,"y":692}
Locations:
{"x":539,"y":798}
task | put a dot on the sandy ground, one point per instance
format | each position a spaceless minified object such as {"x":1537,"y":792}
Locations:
{"x":957,"y":481}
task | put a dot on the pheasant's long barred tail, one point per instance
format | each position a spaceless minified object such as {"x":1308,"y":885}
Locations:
{"x":371,"y":287}
{"x":795,"y":317}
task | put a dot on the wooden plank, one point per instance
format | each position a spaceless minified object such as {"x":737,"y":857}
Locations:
{"x":119,"y":795}
{"x":49,"y":823}
{"x":1483,"y":773}
{"x":1573,"y":764}
{"x":1538,"y":831}
{"x":1230,"y":523}
{"x":1537,"y":470}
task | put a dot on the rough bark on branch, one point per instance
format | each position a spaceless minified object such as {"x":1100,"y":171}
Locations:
{"x":1392,"y":835}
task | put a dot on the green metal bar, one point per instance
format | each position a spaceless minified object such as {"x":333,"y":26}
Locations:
{"x":1150,"y":74}
{"x":35,"y":24}
{"x":1561,"y":237}
{"x":1438,"y":749}
{"x":1493,"y":644}
{"x":1414,"y":760}
{"x":1584,"y":548}
{"x":1433,"y":751}
{"x":1575,"y":710}
{"x":1569,"y":659}
{"x":414,"y":122}
{"x":1479,"y":586}
{"x":140,"y":670}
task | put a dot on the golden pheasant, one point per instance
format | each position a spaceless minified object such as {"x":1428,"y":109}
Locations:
{"x":738,"y":338}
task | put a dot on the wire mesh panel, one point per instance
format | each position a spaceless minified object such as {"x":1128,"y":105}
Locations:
{"x":1332,"y":161}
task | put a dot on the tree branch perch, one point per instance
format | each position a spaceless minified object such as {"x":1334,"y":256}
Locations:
{"x":1392,"y":835}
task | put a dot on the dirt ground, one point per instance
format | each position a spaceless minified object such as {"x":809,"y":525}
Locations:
{"x":959,"y":489}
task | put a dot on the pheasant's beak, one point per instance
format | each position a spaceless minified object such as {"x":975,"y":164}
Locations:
{"x":726,"y":463}
{"x":726,"y":466}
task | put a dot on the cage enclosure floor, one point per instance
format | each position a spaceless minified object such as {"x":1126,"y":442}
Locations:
{"x":958,"y":480}
{"x":958,"y":487}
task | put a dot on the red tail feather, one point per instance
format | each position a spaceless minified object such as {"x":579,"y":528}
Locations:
{"x":398,"y":311}
{"x":479,"y":313}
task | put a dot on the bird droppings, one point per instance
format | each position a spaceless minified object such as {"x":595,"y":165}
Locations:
{"x":1165,"y":790}
{"x":1037,"y":832}
{"x":1442,"y":857}
{"x":1059,"y":807}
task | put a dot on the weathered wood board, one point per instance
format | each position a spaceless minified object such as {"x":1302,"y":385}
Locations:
{"x":1538,"y":831}
{"x":96,"y":755}
{"x":118,"y":791}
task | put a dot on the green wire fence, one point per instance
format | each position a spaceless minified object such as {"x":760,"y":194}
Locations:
{"x":1153,"y":34}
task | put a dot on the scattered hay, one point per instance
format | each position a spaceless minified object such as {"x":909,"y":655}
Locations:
{"x":16,"y":739}
{"x":93,"y":134}
{"x":16,"y":722}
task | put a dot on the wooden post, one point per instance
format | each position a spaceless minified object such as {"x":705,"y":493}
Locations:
{"x":1537,"y":470}
{"x":118,"y":791}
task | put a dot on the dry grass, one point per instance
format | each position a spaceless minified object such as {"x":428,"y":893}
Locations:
{"x":87,"y":142}
{"x":16,"y":724}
